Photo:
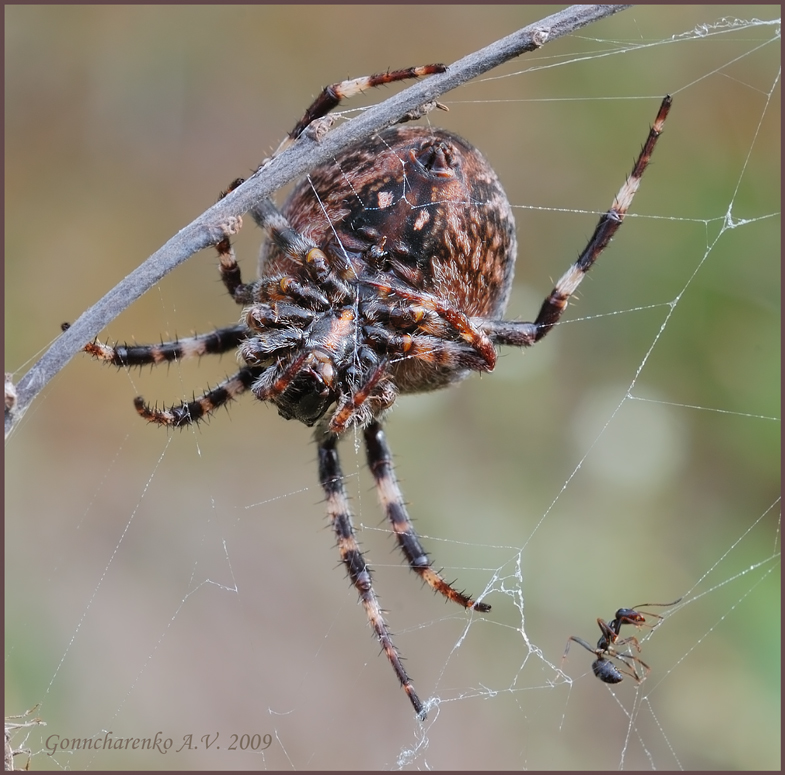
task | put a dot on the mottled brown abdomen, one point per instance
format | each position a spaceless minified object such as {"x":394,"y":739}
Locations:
{"x":428,"y":201}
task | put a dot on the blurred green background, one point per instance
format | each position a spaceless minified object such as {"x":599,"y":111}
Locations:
{"x":187,"y":582}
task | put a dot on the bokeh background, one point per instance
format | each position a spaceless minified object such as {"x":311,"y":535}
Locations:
{"x":187,"y":583}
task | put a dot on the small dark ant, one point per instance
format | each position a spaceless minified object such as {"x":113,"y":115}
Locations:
{"x":609,"y":642}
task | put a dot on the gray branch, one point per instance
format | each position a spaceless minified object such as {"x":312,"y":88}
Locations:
{"x":305,"y":154}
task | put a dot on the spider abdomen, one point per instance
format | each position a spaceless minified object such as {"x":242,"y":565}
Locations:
{"x":420,"y":202}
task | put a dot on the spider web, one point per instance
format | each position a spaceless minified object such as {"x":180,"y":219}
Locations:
{"x":182,"y":584}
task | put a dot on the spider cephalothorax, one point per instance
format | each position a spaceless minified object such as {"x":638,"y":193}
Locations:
{"x":386,"y":272}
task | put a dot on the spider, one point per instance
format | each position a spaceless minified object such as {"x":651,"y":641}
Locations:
{"x":386,"y":271}
{"x":608,"y":643}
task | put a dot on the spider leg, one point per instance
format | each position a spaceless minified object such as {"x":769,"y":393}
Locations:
{"x":471,"y":332}
{"x":269,"y":218}
{"x":231,"y":277}
{"x":349,"y":408}
{"x":304,"y":251}
{"x":331,"y":96}
{"x":331,"y":478}
{"x":214,"y":343}
{"x":230,"y":273}
{"x":520,"y":334}
{"x":190,"y":412}
{"x":391,"y":499}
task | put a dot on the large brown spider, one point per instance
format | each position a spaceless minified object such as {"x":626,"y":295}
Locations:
{"x":387,"y":271}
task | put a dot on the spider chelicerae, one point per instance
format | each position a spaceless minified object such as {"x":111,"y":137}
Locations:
{"x":387,"y":271}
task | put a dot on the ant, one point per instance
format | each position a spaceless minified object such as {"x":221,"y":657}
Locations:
{"x":609,"y":642}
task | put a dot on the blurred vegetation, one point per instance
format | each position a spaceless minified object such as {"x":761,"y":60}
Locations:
{"x":123,"y":123}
